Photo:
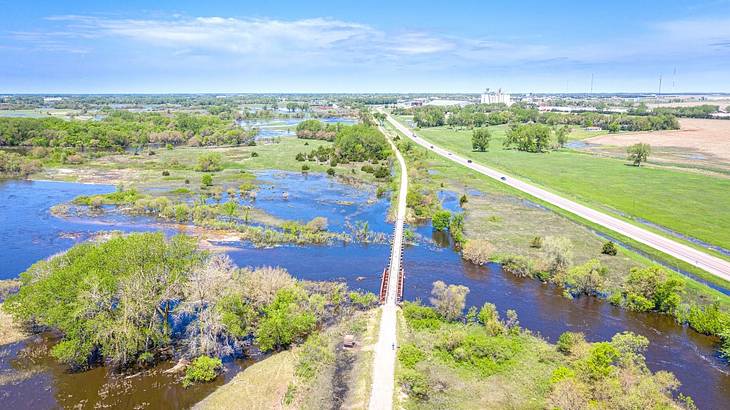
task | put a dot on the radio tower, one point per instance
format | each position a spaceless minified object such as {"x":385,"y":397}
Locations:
{"x":660,"y":85}
{"x":591,"y":83}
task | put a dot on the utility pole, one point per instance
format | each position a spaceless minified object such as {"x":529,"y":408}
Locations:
{"x":660,"y":86}
{"x":674,"y":77}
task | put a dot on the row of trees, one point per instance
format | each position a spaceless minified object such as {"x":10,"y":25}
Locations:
{"x":13,"y":165}
{"x":121,"y":129}
{"x":481,"y":115}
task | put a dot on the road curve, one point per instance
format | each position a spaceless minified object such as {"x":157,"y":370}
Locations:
{"x":711,"y":264}
{"x":381,"y":395}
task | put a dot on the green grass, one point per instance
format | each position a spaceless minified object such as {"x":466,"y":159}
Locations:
{"x":518,"y":223}
{"x":689,"y":203}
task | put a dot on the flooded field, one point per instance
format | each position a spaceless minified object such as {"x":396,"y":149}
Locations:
{"x":29,"y":233}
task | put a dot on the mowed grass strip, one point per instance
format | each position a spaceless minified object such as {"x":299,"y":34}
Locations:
{"x":691,"y":204}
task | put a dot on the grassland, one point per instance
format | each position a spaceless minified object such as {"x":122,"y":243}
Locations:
{"x":509,"y":219}
{"x":146,"y":168}
{"x":688,"y":203}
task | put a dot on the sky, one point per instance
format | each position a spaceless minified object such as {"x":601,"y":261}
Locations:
{"x":366,"y":46}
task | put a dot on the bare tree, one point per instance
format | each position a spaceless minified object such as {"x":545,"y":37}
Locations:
{"x":449,"y":300}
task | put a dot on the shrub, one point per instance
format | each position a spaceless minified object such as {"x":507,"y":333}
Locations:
{"x":305,"y":168}
{"x":415,"y":384}
{"x":331,"y":172}
{"x":559,"y":254}
{"x":568,"y":341}
{"x":463,"y":200}
{"x":363,"y":300}
{"x":165,"y":173}
{"x":209,"y":162}
{"x":589,"y":278}
{"x":517,"y":265}
{"x":440,"y":220}
{"x":420,"y":317}
{"x":254,"y":154}
{"x":536,"y":242}
{"x":202,"y":370}
{"x":409,"y":355}
{"x":367,"y":168}
{"x":382,"y":172}
{"x":300,"y":157}
{"x":313,"y":355}
{"x":477,"y":251}
{"x":609,"y":248}
{"x":206,"y":180}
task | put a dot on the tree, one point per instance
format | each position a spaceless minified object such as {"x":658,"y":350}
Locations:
{"x":638,"y":153}
{"x":559,"y":253}
{"x":285,"y":320}
{"x":589,"y":278}
{"x":440,"y":220}
{"x":448,"y":300}
{"x":614,"y":127}
{"x":480,"y":138}
{"x":561,"y":135}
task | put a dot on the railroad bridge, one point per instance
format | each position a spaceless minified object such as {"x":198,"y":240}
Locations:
{"x":385,"y":282}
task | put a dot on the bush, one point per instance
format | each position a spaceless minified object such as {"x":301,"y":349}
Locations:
{"x":202,"y":370}
{"x":300,"y":157}
{"x":367,"y":168}
{"x":382,"y":172}
{"x":254,"y":154}
{"x":517,"y":265}
{"x":420,"y":317}
{"x":440,"y":220}
{"x":206,"y":180}
{"x":609,"y":248}
{"x":363,"y":300}
{"x":589,"y":278}
{"x":415,"y":384}
{"x":165,"y":173}
{"x":463,"y":200}
{"x":536,"y":242}
{"x":568,"y":341}
{"x":409,"y":355}
{"x":331,"y":172}
{"x":477,"y":251}
{"x":305,"y":168}
{"x":210,"y":162}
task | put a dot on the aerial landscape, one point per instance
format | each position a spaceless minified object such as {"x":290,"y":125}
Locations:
{"x":238,"y":205}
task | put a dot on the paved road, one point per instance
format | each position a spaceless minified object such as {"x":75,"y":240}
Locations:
{"x":381,"y":396}
{"x":702,"y":260}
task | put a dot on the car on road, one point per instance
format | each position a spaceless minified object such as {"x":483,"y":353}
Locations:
{"x":431,"y":146}
{"x":503,"y":178}
{"x":468,"y":160}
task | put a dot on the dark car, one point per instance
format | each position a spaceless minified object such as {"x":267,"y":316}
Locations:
{"x":503,"y":178}
{"x":468,"y":160}
{"x":431,"y":146}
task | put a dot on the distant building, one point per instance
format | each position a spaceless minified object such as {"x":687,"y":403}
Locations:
{"x":498,"y":97}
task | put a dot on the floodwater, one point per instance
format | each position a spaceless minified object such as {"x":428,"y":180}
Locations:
{"x":286,"y":127}
{"x":31,"y":233}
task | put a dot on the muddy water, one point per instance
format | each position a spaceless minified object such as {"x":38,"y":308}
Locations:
{"x":541,"y":308}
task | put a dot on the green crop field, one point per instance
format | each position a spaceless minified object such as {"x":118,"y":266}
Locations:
{"x":690,"y":203}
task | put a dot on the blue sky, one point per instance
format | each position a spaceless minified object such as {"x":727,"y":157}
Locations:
{"x":377,"y":46}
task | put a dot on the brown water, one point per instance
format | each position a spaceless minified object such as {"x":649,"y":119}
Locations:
{"x":690,"y":356}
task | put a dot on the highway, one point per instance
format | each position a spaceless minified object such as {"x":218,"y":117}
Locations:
{"x":709,"y":263}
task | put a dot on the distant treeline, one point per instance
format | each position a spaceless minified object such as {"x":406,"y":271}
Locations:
{"x":479,"y":115}
{"x":121,"y":129}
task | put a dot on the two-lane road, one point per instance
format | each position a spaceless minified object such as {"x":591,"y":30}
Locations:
{"x":702,"y":260}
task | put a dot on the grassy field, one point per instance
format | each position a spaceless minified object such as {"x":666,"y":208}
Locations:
{"x":688,"y":203}
{"x":261,"y":386}
{"x":509,"y":219}
{"x":180,"y":163}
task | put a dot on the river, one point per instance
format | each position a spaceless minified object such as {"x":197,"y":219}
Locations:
{"x":29,"y":232}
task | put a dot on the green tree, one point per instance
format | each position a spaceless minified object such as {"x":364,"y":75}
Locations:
{"x":202,"y":370}
{"x":448,"y":300}
{"x":285,"y":320}
{"x":614,"y":127}
{"x":638,"y":153}
{"x":210,"y":162}
{"x":440,"y":220}
{"x":480,"y":138}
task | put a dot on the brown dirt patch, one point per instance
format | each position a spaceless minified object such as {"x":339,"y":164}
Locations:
{"x":708,"y":137}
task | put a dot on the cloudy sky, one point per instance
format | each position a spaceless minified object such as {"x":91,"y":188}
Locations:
{"x":377,"y":46}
